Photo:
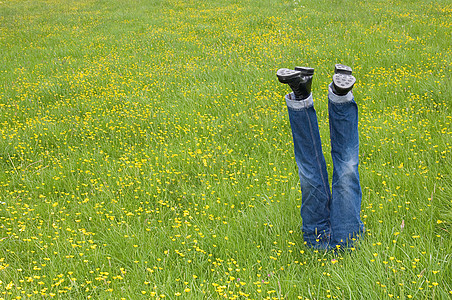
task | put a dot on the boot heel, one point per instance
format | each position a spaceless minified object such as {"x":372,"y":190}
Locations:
{"x":343,"y":83}
{"x":342,"y":69}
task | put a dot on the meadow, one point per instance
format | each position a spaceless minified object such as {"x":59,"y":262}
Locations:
{"x":146,"y":152}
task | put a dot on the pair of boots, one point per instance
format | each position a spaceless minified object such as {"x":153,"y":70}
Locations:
{"x":300,"y":80}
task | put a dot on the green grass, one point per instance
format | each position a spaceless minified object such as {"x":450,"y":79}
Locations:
{"x":146,"y":152}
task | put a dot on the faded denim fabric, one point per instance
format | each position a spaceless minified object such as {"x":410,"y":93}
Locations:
{"x":330,"y":220}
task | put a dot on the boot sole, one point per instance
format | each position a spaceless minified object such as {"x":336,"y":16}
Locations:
{"x":287,"y":75}
{"x":343,"y":82}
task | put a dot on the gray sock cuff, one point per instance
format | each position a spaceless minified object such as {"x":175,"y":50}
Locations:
{"x":339,"y":99}
{"x":301,"y":104}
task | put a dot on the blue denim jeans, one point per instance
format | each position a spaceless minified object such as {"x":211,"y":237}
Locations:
{"x":330,"y":219}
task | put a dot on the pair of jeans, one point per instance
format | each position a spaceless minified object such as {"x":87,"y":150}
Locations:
{"x":330,"y":220}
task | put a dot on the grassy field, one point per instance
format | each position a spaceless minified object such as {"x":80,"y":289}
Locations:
{"x":146,"y":152}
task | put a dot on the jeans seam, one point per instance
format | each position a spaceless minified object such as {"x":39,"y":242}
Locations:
{"x":317,"y":156}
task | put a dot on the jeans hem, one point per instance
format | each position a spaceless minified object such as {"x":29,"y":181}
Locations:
{"x":336,"y":99}
{"x":298,"y":104}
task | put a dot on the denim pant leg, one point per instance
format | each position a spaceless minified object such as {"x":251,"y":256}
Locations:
{"x":316,"y":195}
{"x":345,"y":219}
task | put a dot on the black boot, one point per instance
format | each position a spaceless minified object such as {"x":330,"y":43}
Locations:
{"x":299,"y":80}
{"x":343,"y":80}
